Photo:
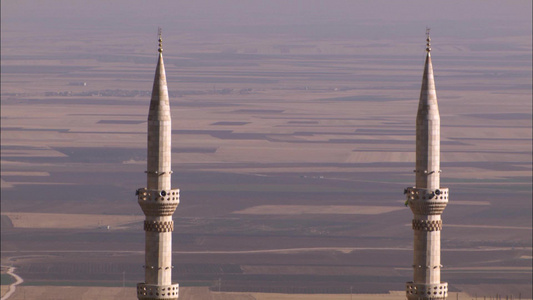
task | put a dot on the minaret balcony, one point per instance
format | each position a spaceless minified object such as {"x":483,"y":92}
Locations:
{"x":158,"y":202}
{"x":427,"y":201}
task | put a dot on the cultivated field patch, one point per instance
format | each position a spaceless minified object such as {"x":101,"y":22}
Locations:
{"x":4,"y":289}
{"x":115,"y":293}
{"x":69,"y":221}
{"x":317,"y":209}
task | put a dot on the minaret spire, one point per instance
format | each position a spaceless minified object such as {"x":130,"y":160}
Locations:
{"x":158,"y":200}
{"x":428,"y":128}
{"x":428,"y":40}
{"x":159,"y":33}
{"x":427,"y":199}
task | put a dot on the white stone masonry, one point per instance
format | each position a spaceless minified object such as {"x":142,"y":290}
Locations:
{"x":427,"y":199}
{"x":158,"y":200}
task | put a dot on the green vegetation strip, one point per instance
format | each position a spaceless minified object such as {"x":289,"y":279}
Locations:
{"x":6,"y":279}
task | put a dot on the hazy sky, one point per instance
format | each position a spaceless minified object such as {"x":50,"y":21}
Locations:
{"x":310,"y":18}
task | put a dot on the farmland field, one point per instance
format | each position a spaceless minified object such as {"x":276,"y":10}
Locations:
{"x":291,"y":146}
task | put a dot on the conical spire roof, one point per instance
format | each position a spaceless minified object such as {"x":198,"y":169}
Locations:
{"x":428,"y":93}
{"x":160,"y":100}
{"x":428,"y":129}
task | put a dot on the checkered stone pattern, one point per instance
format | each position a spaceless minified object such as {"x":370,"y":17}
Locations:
{"x":427,"y":225}
{"x":159,"y":226}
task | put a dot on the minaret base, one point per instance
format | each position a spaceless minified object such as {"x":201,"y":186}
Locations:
{"x":157,"y":292}
{"x":422,"y":291}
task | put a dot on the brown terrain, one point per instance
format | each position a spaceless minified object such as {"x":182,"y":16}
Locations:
{"x":291,"y":163}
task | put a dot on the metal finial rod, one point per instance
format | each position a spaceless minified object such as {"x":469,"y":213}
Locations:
{"x":428,"y":40}
{"x":159,"y":32}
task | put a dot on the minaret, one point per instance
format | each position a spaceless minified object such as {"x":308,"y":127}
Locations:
{"x":158,"y":200}
{"x":427,"y":199}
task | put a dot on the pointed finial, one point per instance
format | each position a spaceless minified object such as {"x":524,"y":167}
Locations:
{"x":428,"y":40}
{"x":159,"y":32}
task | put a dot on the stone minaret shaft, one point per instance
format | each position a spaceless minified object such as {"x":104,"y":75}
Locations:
{"x":158,"y":200}
{"x":427,"y":199}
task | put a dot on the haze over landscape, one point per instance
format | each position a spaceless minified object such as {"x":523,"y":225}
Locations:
{"x":293,"y":139}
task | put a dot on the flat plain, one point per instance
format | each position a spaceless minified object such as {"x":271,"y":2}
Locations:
{"x":291,"y":157}
{"x":192,"y":293}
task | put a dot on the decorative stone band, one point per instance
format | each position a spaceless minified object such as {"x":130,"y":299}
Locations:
{"x":158,"y":195}
{"x":427,"y":225}
{"x":159,"y":292}
{"x":421,"y":291}
{"x":414,"y":193}
{"x":158,"y":202}
{"x":159,"y":226}
{"x":425,"y":201}
{"x":158,"y":209}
